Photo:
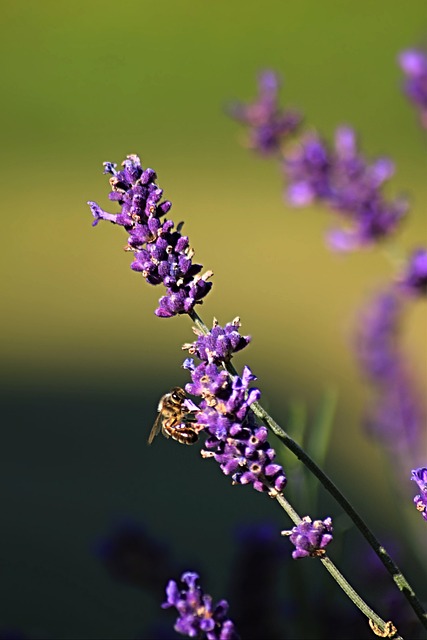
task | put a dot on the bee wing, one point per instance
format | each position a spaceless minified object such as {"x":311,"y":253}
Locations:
{"x":155,"y":428}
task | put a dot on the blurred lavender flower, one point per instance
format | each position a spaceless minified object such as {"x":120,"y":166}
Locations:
{"x":310,"y":538}
{"x":257,"y":567}
{"x":344,"y":181}
{"x":161,"y":253}
{"x":378,"y":329}
{"x":413,"y":63}
{"x":133,"y":557}
{"x":234,"y":439}
{"x":420,"y":477}
{"x":396,"y":415}
{"x":269,"y":125}
{"x":198,"y":616}
{"x":414,"y":279}
{"x":307,"y":166}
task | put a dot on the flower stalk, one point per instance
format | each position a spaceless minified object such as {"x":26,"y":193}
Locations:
{"x":398,"y":577}
{"x":228,"y":405}
{"x":335,"y":573}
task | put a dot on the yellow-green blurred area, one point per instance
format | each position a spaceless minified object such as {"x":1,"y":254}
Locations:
{"x":84,"y":357}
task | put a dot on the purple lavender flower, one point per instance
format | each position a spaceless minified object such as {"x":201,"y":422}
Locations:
{"x":310,"y":538}
{"x":395,"y":417}
{"x":234,"y":439}
{"x":307,"y":166}
{"x":414,"y":279}
{"x":413,"y":63}
{"x":377,"y":337}
{"x":221,"y":342}
{"x":161,"y":254}
{"x":342,"y":179}
{"x":269,"y":126}
{"x":198,"y":616}
{"x":420,"y":477}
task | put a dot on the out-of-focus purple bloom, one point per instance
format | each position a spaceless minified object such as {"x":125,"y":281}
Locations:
{"x":343,"y":180}
{"x":220,"y":344}
{"x":377,"y":335}
{"x":395,"y":417}
{"x":161,"y":254}
{"x":307,"y":167}
{"x":414,"y":278}
{"x":310,"y":538}
{"x":198,"y":616}
{"x":258,"y":565}
{"x":413,"y":63}
{"x":132,"y":556}
{"x":269,"y":125}
{"x":420,"y":477}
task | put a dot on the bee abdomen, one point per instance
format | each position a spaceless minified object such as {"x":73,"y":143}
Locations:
{"x":183,"y":435}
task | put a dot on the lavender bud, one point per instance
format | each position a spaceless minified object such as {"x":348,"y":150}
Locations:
{"x":234,"y":440}
{"x":414,"y":278}
{"x":220,"y":344}
{"x":396,"y":414}
{"x":268,"y":125}
{"x":198,"y":616}
{"x":413,"y":63}
{"x":420,"y":477}
{"x":161,"y":254}
{"x":310,"y":538}
{"x":343,"y":180}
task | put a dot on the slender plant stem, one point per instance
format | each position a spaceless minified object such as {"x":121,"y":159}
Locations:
{"x":337,"y":575}
{"x":398,"y":577}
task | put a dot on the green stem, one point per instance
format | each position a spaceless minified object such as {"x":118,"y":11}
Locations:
{"x":398,"y":577}
{"x":336,"y":573}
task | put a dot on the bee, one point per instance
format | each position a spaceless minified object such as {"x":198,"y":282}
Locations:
{"x":172,"y":419}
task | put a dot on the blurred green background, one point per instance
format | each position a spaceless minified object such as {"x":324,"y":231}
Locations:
{"x":85,"y":359}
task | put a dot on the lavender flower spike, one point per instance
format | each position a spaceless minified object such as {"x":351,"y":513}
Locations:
{"x":395,"y":417}
{"x":221,"y":342}
{"x":198,"y":616}
{"x":413,"y":63}
{"x":343,"y":180}
{"x":161,"y":254}
{"x":310,"y":538}
{"x":420,"y":477}
{"x":269,"y":125}
{"x":414,"y":279}
{"x":235,"y":440}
